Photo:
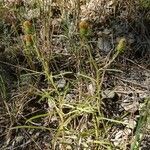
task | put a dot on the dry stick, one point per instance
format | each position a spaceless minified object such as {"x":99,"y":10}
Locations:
{"x":105,"y":67}
{"x":131,"y":81}
{"x":136,"y":64}
{"x":142,"y":86}
{"x":19,"y":67}
{"x":104,"y":71}
{"x":114,"y":57}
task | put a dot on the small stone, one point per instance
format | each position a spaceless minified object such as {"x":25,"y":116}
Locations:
{"x":61,"y":83}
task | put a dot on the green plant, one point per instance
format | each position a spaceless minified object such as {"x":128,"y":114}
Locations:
{"x":60,"y":80}
{"x":142,"y":124}
{"x":145,"y":4}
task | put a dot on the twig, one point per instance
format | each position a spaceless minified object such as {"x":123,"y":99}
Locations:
{"x":131,"y":82}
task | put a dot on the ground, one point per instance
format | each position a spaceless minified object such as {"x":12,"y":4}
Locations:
{"x":74,"y":75}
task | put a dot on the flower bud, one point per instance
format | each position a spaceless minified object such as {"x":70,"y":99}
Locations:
{"x":83,"y":28}
{"x":121,"y":45}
